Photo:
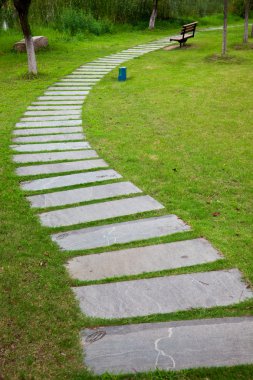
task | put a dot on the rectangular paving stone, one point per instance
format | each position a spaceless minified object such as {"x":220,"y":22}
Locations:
{"x":146,"y":259}
{"x":61,"y":167}
{"x":119,"y":233}
{"x":70,"y":98}
{"x":82,"y":84}
{"x":50,"y":118}
{"x":169,"y":345}
{"x":48,"y":138}
{"x":70,"y":180}
{"x":64,"y":93}
{"x":50,"y":107}
{"x":48,"y":112}
{"x":99,"y":211}
{"x":53,"y":102}
{"x":45,"y":131}
{"x":51,"y":146}
{"x":54,"y":156}
{"x":70,"y":88}
{"x":54,"y":123}
{"x":80,"y":80}
{"x":84,"y":194}
{"x":162,"y":294}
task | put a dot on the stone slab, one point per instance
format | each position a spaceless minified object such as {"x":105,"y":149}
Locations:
{"x":152,"y":258}
{"x":69,"y":180}
{"x":51,"y":118}
{"x":73,"y":166}
{"x":39,"y":124}
{"x":45,"y":131}
{"x":162,"y":294}
{"x":71,"y":88}
{"x":99,"y":211}
{"x":65,"y":84}
{"x":48,"y":112}
{"x":79,"y":80}
{"x":64,"y":93}
{"x":169,"y":345}
{"x":58,"y":102}
{"x":48,"y":138}
{"x":69,"y":98}
{"x":55,"y":156}
{"x":50,"y":107}
{"x":50,"y":147}
{"x":39,"y":42}
{"x":120,"y":233}
{"x":85,"y":194}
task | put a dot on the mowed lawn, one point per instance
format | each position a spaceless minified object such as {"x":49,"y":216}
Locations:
{"x":181,"y":129}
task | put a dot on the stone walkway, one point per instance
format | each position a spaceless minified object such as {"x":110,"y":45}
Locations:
{"x":49,"y":143}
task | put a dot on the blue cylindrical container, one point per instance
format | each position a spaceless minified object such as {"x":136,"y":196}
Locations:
{"x":122,"y":74}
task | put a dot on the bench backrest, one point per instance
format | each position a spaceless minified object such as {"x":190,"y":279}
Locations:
{"x":189,"y":28}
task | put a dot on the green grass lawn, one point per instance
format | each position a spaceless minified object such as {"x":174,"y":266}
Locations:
{"x":180,"y":129}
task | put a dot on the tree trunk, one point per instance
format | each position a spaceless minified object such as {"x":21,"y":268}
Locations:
{"x":153,"y":15}
{"x":251,"y":31}
{"x":246,"y":21}
{"x":225,"y":28}
{"x":22,"y":7}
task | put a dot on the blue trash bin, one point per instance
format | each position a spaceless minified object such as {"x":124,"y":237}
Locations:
{"x":122,"y":74}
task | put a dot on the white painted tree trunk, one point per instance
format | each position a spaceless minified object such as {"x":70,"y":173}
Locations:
{"x":225,"y":28}
{"x":32,"y":65}
{"x":153,"y":15}
{"x":246,"y":22}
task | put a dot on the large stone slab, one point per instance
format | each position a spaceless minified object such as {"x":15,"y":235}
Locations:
{"x":117,"y":233}
{"x":71,"y":99}
{"x":46,"y":131}
{"x":64,"y":93}
{"x":50,"y":146}
{"x":50,"y":107}
{"x":39,"y":42}
{"x":73,"y":166}
{"x":169,"y":345}
{"x":70,"y":85}
{"x":163,"y":294}
{"x":47,"y":138}
{"x":79,"y":80}
{"x":54,"y":156}
{"x":50,"y":118}
{"x":99,"y":211}
{"x":39,"y":124}
{"x":70,"y":88}
{"x":58,"y":102}
{"x":84,"y":194}
{"x":69,"y":180}
{"x":146,"y":259}
{"x":49,"y":112}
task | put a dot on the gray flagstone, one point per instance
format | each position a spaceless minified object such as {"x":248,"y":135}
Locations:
{"x":169,"y":345}
{"x":53,"y":123}
{"x":84,"y":194}
{"x":58,"y":102}
{"x":57,"y":108}
{"x":54,"y":156}
{"x":70,"y":99}
{"x":47,"y":138}
{"x":72,"y":88}
{"x":65,"y":84}
{"x":45,"y":131}
{"x":163,"y":294}
{"x":73,"y":166}
{"x":64,"y":93}
{"x":69,"y":180}
{"x":119,"y":233}
{"x":49,"y":112}
{"x":50,"y":146}
{"x":99,"y":211}
{"x":49,"y":118}
{"x":152,"y":258}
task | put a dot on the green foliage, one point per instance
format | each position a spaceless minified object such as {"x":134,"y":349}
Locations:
{"x":75,"y":21}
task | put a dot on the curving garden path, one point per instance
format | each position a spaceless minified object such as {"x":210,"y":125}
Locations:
{"x":71,"y":186}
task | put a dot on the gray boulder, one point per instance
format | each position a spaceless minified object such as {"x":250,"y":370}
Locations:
{"x":39,"y":42}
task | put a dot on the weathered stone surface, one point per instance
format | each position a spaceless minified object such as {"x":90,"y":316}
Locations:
{"x":52,"y":107}
{"x":146,"y":259}
{"x":162,"y":294}
{"x":70,"y":85}
{"x":117,"y":233}
{"x":54,"y":156}
{"x":169,"y":346}
{"x":48,"y":138}
{"x":58,"y":102}
{"x":70,"y":180}
{"x":71,"y":99}
{"x":50,"y":118}
{"x":75,"y":88}
{"x":39,"y":42}
{"x":50,"y":147}
{"x":64,"y":93}
{"x":61,"y":167}
{"x":85,"y":194}
{"x":99,"y":211}
{"x":48,"y":112}
{"x":39,"y":124}
{"x":45,"y":131}
{"x":74,"y":80}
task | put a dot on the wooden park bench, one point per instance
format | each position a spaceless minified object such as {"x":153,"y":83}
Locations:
{"x":188,"y":31}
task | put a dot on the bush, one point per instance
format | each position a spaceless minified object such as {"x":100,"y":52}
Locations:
{"x":75,"y":22}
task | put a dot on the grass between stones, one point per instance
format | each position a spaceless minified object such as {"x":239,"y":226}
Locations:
{"x":190,"y":121}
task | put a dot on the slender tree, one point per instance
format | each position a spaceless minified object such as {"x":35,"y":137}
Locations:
{"x":22,"y":7}
{"x":246,"y":21}
{"x":153,"y":15}
{"x":225,"y":28}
